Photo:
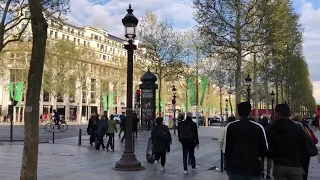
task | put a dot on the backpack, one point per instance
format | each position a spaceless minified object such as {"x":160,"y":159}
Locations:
{"x":185,"y":132}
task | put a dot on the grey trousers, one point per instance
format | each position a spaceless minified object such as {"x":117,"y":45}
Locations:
{"x":287,"y":173}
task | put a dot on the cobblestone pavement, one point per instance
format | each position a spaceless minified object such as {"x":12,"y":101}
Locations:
{"x":65,"y":160}
{"x":68,"y":161}
{"x":18,"y":132}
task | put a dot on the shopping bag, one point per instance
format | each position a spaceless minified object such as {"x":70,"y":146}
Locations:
{"x":150,"y":157}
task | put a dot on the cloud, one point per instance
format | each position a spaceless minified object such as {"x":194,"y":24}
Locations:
{"x":310,"y":20}
{"x":108,"y":14}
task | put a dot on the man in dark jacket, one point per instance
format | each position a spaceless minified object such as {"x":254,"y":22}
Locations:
{"x":287,"y":143}
{"x":188,"y":136}
{"x":245,"y":143}
{"x":101,"y":132}
{"x":122,"y":124}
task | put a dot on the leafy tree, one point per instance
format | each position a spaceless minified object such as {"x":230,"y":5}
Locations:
{"x":227,"y":26}
{"x":59,"y":55}
{"x":159,"y":49}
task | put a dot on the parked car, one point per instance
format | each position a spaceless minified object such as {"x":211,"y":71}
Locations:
{"x":117,"y":118}
{"x":214,"y":120}
{"x":201,"y":120}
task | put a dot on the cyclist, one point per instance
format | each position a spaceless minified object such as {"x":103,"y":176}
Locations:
{"x":56,"y":117}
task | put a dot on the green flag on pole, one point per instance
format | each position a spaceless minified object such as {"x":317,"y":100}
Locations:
{"x":191,"y":91}
{"x":11,"y":89}
{"x":111,"y":100}
{"x":204,"y":80}
{"x":105,"y":103}
{"x":18,"y":92}
{"x":162,"y":105}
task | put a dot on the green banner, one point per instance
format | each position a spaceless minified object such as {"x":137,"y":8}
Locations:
{"x":162,"y":105}
{"x":105,"y":103}
{"x":191,"y":91}
{"x":11,"y":89}
{"x":18,"y":92}
{"x":111,"y":100}
{"x":204,"y":81}
{"x":183,"y":106}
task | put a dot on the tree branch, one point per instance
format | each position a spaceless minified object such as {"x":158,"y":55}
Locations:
{"x":19,"y":36}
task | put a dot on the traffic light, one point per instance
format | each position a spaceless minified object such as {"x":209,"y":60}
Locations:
{"x":138,"y":93}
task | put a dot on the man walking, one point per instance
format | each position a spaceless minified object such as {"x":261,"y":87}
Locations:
{"x":188,"y":136}
{"x":245,"y":143}
{"x":265,"y":123}
{"x":287,"y":144}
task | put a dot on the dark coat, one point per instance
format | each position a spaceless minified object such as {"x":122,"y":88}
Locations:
{"x":194,"y":129}
{"x":161,"y":139}
{"x":135,"y":124}
{"x":102,"y":128}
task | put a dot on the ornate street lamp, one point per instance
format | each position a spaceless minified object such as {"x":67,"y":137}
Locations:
{"x":128,"y":161}
{"x":272,"y":103}
{"x":248,"y":81}
{"x":227,"y":111}
{"x":174,"y":108}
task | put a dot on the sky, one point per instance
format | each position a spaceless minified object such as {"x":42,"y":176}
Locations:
{"x":108,"y":14}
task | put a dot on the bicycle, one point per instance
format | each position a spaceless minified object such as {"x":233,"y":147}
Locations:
{"x":62,"y":126}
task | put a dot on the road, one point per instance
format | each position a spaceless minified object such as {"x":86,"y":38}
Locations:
{"x":18,"y":132}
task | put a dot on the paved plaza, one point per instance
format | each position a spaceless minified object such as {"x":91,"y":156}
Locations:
{"x":68,"y":161}
{"x":18,"y":132}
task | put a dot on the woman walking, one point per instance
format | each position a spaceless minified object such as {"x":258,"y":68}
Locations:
{"x":161,"y":140}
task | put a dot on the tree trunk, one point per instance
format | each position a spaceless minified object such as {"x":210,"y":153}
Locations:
{"x":266,"y":86}
{"x":239,"y":60}
{"x":159,"y":95}
{"x":255,"y":88}
{"x":79,"y":111}
{"x":29,"y":167}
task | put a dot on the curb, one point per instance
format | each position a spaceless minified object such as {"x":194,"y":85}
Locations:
{"x":3,"y":142}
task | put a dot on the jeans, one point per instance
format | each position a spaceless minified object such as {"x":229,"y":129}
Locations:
{"x":161,"y":155}
{"x":241,"y":177}
{"x":185,"y":151}
{"x":110,"y":141}
{"x":100,"y":142}
{"x":121,"y":130}
{"x":287,"y":173}
{"x":269,"y":163}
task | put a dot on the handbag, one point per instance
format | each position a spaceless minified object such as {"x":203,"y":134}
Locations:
{"x":312,"y":148}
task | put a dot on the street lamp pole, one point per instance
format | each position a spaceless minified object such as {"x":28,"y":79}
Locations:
{"x":272,"y":102}
{"x":248,"y":81}
{"x":128,"y":161}
{"x":174,"y":109}
{"x":227,"y":110}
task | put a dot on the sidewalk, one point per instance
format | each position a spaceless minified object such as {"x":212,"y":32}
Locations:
{"x":65,"y":160}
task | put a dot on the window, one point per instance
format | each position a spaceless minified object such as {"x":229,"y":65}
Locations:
{"x":78,"y":33}
{"x":63,"y":36}
{"x":118,"y":51}
{"x":51,"y":33}
{"x":68,"y":38}
{"x":59,"y":97}
{"x":74,"y":40}
{"x":96,"y":37}
{"x":78,"y":41}
{"x":100,"y":56}
{"x":46,"y":96}
{"x":97,"y":45}
{"x":72,"y":31}
{"x":108,"y":58}
{"x":88,"y":43}
{"x":104,"y":57}
{"x":68,"y":29}
{"x":84,"y":42}
{"x":56,"y":35}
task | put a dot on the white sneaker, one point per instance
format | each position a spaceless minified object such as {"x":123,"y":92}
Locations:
{"x":185,"y":172}
{"x":162,"y":168}
{"x":155,"y":165}
{"x":195,"y":168}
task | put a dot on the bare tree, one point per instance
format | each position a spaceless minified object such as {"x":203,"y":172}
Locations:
{"x":160,"y":49}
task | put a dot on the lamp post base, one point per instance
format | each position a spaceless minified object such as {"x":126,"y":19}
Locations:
{"x":128,"y":162}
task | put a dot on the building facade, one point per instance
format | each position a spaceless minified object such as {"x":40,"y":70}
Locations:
{"x":109,"y":58}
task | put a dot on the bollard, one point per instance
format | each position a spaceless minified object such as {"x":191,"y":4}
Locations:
{"x":53,"y":135}
{"x":80,"y":134}
{"x":133,"y":141}
{"x":221,"y":161}
{"x":11,"y":130}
